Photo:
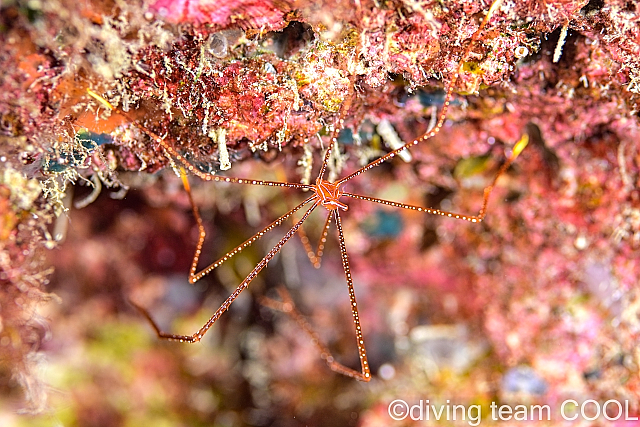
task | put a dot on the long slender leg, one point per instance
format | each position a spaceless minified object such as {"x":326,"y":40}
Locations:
{"x":287,"y":306}
{"x":447,"y":99}
{"x":173,"y":154}
{"x":195,"y":276}
{"x":225,"y":305}
{"x":424,"y":137}
{"x":315,"y":257}
{"x":365,"y":375}
{"x":517,"y":149}
{"x":433,"y":211}
{"x":325,"y":160}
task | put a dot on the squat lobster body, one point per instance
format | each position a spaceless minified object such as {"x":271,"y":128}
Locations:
{"x":329,"y":194}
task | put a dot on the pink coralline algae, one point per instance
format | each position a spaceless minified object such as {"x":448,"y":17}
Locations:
{"x":538,"y":303}
{"x":256,"y":14}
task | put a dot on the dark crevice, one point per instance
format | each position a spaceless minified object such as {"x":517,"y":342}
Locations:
{"x":592,"y":7}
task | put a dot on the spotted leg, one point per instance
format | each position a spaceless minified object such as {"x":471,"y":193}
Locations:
{"x":287,"y":306}
{"x":517,"y":149}
{"x":197,"y":336}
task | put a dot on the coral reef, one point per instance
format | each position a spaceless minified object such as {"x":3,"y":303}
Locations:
{"x":539,"y":303}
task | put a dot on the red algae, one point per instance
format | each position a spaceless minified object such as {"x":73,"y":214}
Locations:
{"x":253,"y":14}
